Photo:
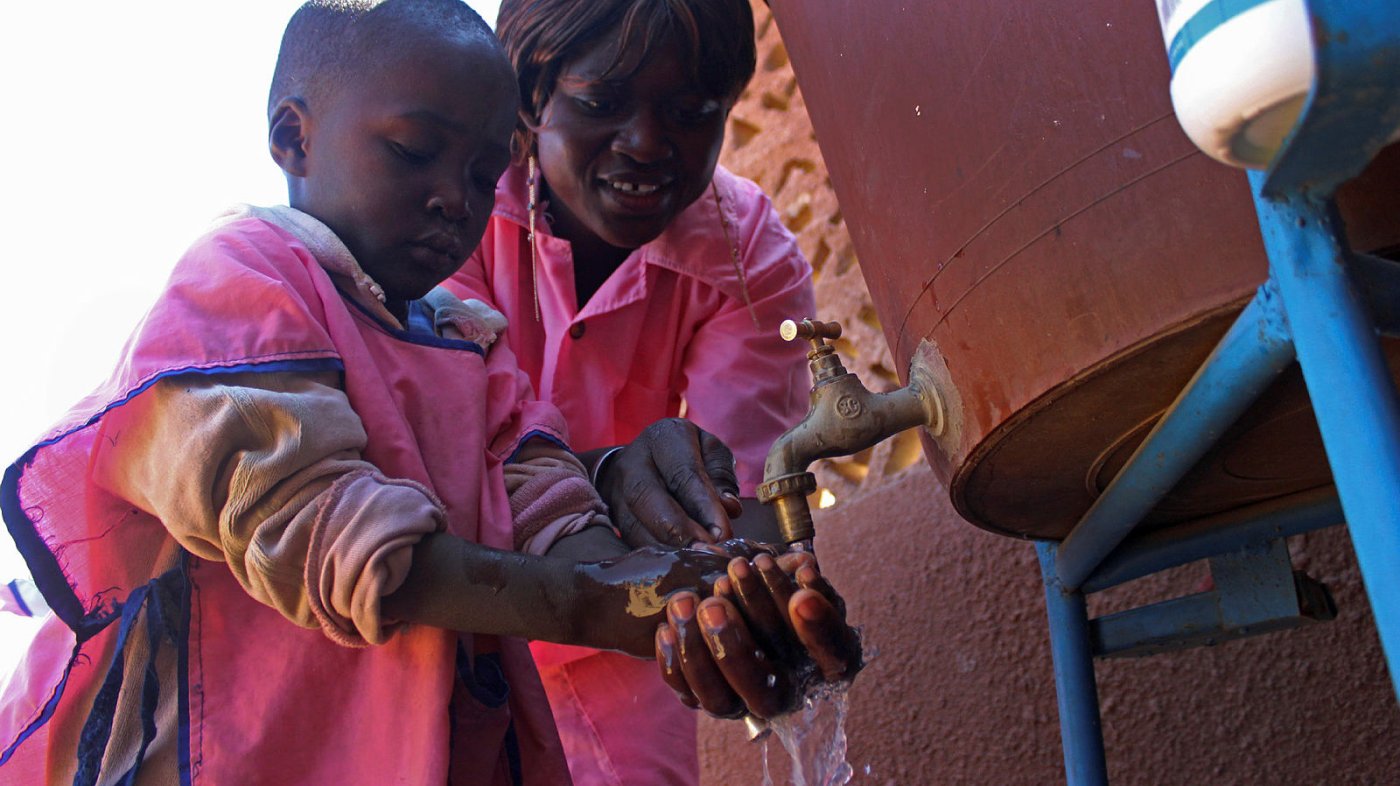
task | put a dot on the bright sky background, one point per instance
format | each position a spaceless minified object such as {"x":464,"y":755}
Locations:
{"x":126,"y":126}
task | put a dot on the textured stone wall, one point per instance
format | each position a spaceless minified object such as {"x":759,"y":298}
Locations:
{"x":770,"y":141}
{"x":960,"y":689}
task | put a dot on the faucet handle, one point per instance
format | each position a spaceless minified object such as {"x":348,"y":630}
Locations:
{"x":811,"y":329}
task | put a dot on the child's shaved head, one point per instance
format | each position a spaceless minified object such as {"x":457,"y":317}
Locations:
{"x":392,"y":121}
{"x":327,"y":41}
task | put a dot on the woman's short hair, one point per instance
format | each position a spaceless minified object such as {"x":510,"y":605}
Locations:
{"x":716,"y":39}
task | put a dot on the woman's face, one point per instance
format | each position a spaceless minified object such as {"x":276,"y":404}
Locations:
{"x":623,"y":156}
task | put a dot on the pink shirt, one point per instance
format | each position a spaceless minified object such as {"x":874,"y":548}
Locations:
{"x":669,"y":325}
{"x":260,"y":699}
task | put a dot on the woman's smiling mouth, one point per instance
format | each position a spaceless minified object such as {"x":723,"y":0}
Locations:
{"x":638,"y":195}
{"x":640,"y":189}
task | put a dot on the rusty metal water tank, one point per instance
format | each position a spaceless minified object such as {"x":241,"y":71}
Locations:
{"x":1028,"y":213}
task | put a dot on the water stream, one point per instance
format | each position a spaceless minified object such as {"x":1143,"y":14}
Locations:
{"x":814,"y":737}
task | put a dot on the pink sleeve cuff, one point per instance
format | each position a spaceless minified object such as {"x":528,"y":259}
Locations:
{"x":550,"y":497}
{"x":361,"y":550}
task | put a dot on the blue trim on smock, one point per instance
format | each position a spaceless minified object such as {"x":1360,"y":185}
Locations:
{"x":43,"y":565}
{"x":48,"y":710}
{"x":182,"y":655}
{"x":411,"y":336}
{"x":14,"y":590}
{"x":163,"y":598}
{"x":519,"y":446}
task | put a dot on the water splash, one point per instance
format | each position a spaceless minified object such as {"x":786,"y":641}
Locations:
{"x":815,"y":739}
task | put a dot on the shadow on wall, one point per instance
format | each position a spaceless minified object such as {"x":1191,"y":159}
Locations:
{"x":960,"y":690}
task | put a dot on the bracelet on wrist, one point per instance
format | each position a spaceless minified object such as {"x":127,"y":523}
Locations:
{"x":597,"y":471}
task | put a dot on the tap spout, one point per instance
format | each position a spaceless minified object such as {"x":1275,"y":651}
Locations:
{"x":844,"y":417}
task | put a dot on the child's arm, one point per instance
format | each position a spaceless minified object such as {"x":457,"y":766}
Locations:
{"x":310,"y":529}
{"x":230,"y":466}
{"x":611,"y":604}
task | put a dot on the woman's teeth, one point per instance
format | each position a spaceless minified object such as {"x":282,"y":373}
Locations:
{"x":640,"y":189}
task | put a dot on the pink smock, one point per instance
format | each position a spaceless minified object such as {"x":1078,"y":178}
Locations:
{"x":670,"y":325}
{"x":262,"y":700}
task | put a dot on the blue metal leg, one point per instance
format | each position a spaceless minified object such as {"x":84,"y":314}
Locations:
{"x":1351,"y":390}
{"x":1246,"y":361}
{"x":1075,"y":689}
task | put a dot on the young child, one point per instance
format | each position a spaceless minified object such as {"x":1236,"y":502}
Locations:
{"x":304,"y":429}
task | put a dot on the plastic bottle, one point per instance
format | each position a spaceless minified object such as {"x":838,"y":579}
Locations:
{"x":1241,"y":71}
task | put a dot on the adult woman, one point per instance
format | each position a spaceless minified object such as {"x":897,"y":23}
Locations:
{"x":641,"y":281}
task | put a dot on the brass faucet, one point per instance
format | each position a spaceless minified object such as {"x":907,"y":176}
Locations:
{"x":844,"y":418}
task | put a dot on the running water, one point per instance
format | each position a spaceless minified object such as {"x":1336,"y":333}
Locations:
{"x":815,"y":739}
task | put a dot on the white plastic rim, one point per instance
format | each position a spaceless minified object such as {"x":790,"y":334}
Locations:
{"x":1239,"y":88}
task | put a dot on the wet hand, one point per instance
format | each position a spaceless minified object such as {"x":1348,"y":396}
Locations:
{"x":771,"y":628}
{"x":674,"y":485}
{"x":620,"y":601}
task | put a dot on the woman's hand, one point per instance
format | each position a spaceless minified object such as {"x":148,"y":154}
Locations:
{"x":771,"y":628}
{"x":674,"y":485}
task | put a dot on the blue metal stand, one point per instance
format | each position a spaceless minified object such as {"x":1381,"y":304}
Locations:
{"x":1312,"y":310}
{"x":1076,"y":691}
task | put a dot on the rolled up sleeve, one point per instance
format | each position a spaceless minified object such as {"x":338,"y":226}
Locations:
{"x":263,"y":471}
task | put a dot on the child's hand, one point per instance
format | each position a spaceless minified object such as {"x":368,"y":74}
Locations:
{"x":772,"y":627}
{"x":622,"y":600}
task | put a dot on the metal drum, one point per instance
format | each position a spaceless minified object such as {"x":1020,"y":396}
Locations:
{"x":1030,"y":217}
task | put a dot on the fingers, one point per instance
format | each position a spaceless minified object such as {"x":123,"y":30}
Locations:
{"x":779,"y":586}
{"x":767,"y":620}
{"x":733,"y":506}
{"x":822,"y":629}
{"x":660,"y":491}
{"x":804,"y":571}
{"x":647,"y":513}
{"x":764,"y":689}
{"x":702,"y":676}
{"x":745,"y":647}
{"x":697,"y":468}
{"x":668,"y":657}
{"x":719,"y":466}
{"x":719,"y":463}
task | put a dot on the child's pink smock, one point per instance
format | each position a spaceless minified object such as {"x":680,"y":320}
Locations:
{"x":260,"y":699}
{"x":670,"y":325}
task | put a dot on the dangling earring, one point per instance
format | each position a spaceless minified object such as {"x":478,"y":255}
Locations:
{"x":532,"y":182}
{"x":734,"y":254}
